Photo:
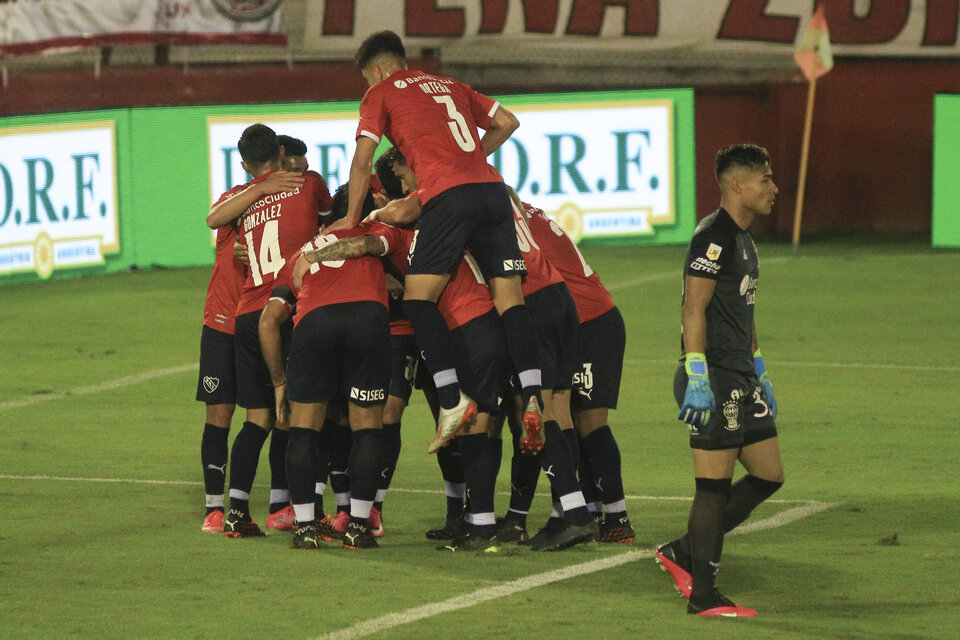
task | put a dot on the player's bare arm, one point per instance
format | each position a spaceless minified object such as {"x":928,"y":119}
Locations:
{"x":274,"y":315}
{"x":754,"y":344}
{"x":400,"y":213}
{"x":343,"y":249}
{"x":697,"y":295}
{"x":360,"y":169}
{"x":229,"y":210}
{"x":347,"y":248}
{"x":502,"y":126}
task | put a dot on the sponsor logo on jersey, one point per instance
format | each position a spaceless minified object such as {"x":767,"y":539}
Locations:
{"x":748,"y":288}
{"x":713,"y":251}
{"x":366,"y":395}
{"x":515,"y":265}
{"x":702,"y":264}
{"x":400,"y":84}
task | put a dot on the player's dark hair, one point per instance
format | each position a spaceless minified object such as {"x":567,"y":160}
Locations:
{"x":377,"y":43}
{"x":751,"y":156}
{"x":292,"y":146}
{"x":389,"y":181}
{"x":341,"y":201}
{"x":258,"y":144}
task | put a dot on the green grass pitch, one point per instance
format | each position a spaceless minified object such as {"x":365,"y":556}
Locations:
{"x":101,"y":499}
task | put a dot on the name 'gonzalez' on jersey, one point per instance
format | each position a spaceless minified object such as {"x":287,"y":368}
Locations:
{"x":436,"y":117}
{"x":720,"y":250}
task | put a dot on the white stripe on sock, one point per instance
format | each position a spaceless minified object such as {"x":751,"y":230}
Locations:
{"x":572,"y":501}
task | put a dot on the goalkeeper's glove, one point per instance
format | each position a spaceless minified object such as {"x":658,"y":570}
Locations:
{"x":698,"y":400}
{"x":765,"y":383}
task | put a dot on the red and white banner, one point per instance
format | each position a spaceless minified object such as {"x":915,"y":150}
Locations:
{"x":38,"y":26}
{"x":561,"y":30}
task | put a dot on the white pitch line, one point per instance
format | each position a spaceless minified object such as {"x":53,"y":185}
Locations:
{"x":828,"y":365}
{"x":392,"y":620}
{"x":6,"y":476}
{"x":109,"y":385}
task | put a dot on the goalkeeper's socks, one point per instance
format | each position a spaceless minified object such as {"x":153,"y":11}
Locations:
{"x":745,"y":495}
{"x":705,"y":532}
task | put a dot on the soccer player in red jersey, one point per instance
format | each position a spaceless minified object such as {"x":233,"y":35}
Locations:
{"x":479,"y":351}
{"x":341,"y":333}
{"x":601,"y":341}
{"x":273,"y":223}
{"x":433,"y":121}
{"x":217,"y":383}
{"x":555,"y":314}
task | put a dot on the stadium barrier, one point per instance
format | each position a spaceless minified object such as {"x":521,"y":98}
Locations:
{"x":102,"y":191}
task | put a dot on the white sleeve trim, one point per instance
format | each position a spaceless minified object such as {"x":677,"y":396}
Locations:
{"x":386,"y":245}
{"x":370,"y":135}
{"x":493,"y":109}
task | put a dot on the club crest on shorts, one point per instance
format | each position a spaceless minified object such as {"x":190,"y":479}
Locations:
{"x":210,"y":383}
{"x":731,"y":412}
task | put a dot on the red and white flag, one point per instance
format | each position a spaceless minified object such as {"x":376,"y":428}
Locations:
{"x":813,"y":54}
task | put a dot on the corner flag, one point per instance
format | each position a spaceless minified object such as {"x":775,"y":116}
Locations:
{"x":813,"y":54}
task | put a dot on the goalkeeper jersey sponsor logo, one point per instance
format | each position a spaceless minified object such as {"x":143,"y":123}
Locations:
{"x":707,"y":266}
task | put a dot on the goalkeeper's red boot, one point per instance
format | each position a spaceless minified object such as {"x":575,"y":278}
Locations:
{"x":718,"y":606}
{"x":669,"y":562}
{"x":376,"y":523}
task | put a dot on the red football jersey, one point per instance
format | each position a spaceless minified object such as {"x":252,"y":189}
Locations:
{"x":589,"y":294}
{"x":466,"y":296}
{"x":226,"y":282}
{"x":540,"y":273}
{"x":274,"y":228}
{"x":433,"y":121}
{"x":340,"y":281}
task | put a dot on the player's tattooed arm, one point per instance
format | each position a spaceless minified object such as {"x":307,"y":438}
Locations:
{"x":347,"y":248}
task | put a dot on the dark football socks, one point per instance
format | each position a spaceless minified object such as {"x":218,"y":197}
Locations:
{"x":213,"y":457}
{"x":244,"y":457}
{"x":436,"y":345}
{"x":521,"y":334}
{"x":705,"y":533}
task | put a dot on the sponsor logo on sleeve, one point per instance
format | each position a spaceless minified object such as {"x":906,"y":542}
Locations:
{"x":707,"y":266}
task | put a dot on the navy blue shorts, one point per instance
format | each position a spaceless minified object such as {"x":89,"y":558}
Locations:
{"x":341,"y":349}
{"x":555,"y":316}
{"x":475,"y":216}
{"x":217,"y":383}
{"x":742,"y":416}
{"x":601,"y":343}
{"x":254,"y":386}
{"x":404,"y":365}
{"x":481,"y":359}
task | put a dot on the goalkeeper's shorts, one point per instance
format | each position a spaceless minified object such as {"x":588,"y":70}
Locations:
{"x":741,"y":417}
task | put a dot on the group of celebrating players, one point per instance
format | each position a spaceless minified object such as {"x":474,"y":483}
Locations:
{"x":479,"y":299}
{"x":497,"y":303}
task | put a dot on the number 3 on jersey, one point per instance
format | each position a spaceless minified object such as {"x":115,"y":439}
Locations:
{"x":458,"y":125}
{"x":267,"y":257}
